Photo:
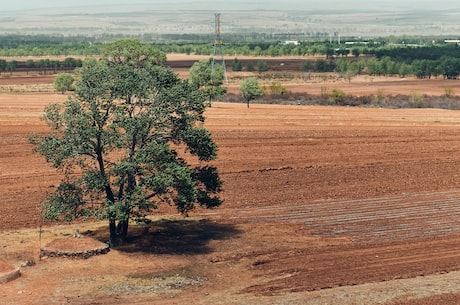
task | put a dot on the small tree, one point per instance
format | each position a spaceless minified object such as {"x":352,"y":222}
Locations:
{"x":11,"y":66}
{"x":64,"y":82}
{"x":262,"y":66}
{"x":123,"y":140}
{"x":320,"y":65}
{"x":237,"y":65}
{"x":250,"y":89}
{"x":356,"y":52}
{"x":208,"y":80}
{"x":305,"y":65}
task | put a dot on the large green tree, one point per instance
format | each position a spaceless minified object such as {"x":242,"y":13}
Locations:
{"x":208,"y":79}
{"x":126,"y":141}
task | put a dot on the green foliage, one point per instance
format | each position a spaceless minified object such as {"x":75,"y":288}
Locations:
{"x":404,"y":69}
{"x":262,"y":66}
{"x":277,"y":89}
{"x":306,"y":65}
{"x":65,"y":202}
{"x":356,"y":52}
{"x":449,"y":67}
{"x":64,"y":82}
{"x":123,"y":139}
{"x":133,"y":52}
{"x":342,"y":65}
{"x":208,"y":79}
{"x":321,"y":66}
{"x":336,"y":96}
{"x":423,"y":68}
{"x":424,"y":61}
{"x":11,"y":66}
{"x":237,"y":65}
{"x":250,"y":89}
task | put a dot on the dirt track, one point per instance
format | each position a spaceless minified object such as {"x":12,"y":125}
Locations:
{"x":315,"y":198}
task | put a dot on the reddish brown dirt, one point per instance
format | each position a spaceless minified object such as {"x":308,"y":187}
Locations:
{"x":323,"y":205}
{"x":5,"y":267}
{"x":23,"y":79}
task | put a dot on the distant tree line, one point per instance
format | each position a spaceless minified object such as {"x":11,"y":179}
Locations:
{"x":244,"y":44}
{"x":43,"y":66}
{"x":377,"y":57}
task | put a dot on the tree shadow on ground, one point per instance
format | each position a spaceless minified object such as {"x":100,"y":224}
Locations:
{"x":175,"y":237}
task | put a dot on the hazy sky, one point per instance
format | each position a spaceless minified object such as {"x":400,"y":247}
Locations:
{"x":9,"y":5}
{"x":34,"y":4}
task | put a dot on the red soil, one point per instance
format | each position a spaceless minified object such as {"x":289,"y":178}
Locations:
{"x":334,"y":204}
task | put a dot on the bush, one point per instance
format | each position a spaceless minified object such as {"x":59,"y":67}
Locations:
{"x":237,"y":65}
{"x":64,"y":82}
{"x":262,"y":66}
{"x":306,"y":66}
{"x":336,"y":97}
{"x":277,"y":89}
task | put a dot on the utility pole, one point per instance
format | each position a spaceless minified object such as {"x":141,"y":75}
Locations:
{"x":218,"y":47}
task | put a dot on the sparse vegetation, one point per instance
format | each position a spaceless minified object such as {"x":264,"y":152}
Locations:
{"x":449,"y":92}
{"x":336,"y":97}
{"x":277,"y":88}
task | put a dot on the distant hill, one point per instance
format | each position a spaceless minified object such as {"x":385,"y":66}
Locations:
{"x":296,"y":18}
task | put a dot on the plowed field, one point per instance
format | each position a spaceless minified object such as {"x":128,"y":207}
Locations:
{"x":323,"y":205}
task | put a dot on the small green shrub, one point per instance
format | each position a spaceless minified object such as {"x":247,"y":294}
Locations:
{"x":336,"y":97}
{"x":277,"y":89}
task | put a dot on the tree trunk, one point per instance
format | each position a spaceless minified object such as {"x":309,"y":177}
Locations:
{"x":113,"y":231}
{"x":123,"y":230}
{"x":118,"y":232}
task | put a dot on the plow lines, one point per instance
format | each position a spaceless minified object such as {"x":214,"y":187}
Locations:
{"x":385,"y":218}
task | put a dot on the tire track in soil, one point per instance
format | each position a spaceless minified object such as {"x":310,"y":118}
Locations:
{"x":394,"y":237}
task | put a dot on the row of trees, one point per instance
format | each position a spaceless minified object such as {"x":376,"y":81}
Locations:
{"x":16,"y":45}
{"x":447,"y":67}
{"x":42,"y":65}
{"x":260,"y":66}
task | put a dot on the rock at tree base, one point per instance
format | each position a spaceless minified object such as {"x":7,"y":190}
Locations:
{"x":82,"y":247}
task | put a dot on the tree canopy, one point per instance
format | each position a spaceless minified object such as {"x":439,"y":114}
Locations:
{"x":64,"y":82}
{"x":208,"y":79}
{"x":126,"y":141}
{"x":250,"y":89}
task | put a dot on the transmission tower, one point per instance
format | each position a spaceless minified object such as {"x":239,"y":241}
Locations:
{"x":218,"y":49}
